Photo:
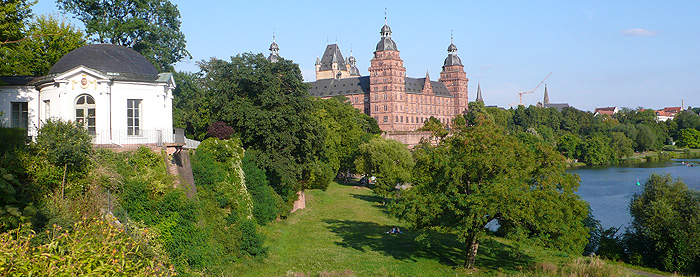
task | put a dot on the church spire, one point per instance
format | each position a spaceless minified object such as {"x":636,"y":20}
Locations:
{"x":546,"y":95}
{"x":478,"y":93}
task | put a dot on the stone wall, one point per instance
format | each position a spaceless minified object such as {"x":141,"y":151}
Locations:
{"x":410,"y":139}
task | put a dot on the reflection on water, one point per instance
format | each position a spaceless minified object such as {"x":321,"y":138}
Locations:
{"x":609,"y":189}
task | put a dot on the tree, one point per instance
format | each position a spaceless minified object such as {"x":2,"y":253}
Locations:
{"x":46,"y":41}
{"x":388,"y":160}
{"x":150,"y":27}
{"x":14,"y":15}
{"x":665,"y":229}
{"x":645,"y":138}
{"x":346,"y":129}
{"x":65,"y":144}
{"x":269,"y":108}
{"x":621,"y":146}
{"x":568,"y":145}
{"x":479,"y":174}
{"x":689,"y":138}
{"x":596,"y":150}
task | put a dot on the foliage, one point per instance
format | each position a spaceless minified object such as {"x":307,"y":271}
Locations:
{"x":267,"y":204}
{"x":346,"y":129}
{"x":228,"y":205}
{"x":480,"y":174}
{"x":189,"y":107}
{"x":64,"y":143}
{"x":268,"y":106}
{"x":93,"y":247}
{"x":665,"y":229}
{"x":388,"y":160}
{"x":220,"y":130}
{"x":46,"y":40}
{"x":596,"y":150}
{"x":14,"y":14}
{"x":645,"y":138}
{"x":150,"y":27}
{"x":689,"y":138}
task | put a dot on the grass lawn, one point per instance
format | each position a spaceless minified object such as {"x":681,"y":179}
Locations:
{"x":342,"y":232}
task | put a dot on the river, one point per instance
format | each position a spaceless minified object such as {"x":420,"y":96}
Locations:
{"x":609,"y":189}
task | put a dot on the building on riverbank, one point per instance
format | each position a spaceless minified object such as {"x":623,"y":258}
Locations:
{"x":395,"y":101}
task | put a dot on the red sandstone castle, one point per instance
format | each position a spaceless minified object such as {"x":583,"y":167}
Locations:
{"x":396,"y":102}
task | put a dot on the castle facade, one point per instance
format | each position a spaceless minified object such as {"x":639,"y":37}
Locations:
{"x":396,"y":102}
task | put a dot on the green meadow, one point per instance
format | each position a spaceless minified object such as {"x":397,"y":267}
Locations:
{"x":343,"y":232}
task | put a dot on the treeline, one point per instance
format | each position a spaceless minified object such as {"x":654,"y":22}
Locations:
{"x":603,"y":139}
{"x":298,"y":141}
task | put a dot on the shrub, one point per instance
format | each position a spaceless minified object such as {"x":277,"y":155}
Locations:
{"x":220,"y":130}
{"x":93,"y":247}
{"x":63,"y":143}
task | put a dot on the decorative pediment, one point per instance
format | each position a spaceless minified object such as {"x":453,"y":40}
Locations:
{"x":81,"y":78}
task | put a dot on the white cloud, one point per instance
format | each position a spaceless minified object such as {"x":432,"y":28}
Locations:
{"x":638,"y":32}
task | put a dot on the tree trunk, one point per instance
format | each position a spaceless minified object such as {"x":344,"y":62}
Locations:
{"x":472,"y":247}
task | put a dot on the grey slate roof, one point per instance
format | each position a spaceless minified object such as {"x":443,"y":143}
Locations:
{"x":452,"y":59}
{"x":334,"y":87}
{"x":360,"y":85}
{"x":17,"y":80}
{"x":415,"y":85}
{"x":386,"y":43}
{"x":330,"y":56}
{"x":107,"y":58}
{"x":559,"y":106}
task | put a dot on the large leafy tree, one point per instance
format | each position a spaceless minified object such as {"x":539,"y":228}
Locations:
{"x":346,"y":129}
{"x":151,"y":27}
{"x":14,"y":15}
{"x":46,"y":40}
{"x":479,"y":174}
{"x":269,"y":108}
{"x":386,"y":159}
{"x":665,"y":229}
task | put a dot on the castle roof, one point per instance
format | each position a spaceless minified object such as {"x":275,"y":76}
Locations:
{"x":333,"y":87}
{"x":386,"y":43}
{"x":360,"y":85}
{"x":330,"y":56}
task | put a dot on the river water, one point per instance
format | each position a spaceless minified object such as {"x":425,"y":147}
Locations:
{"x":609,"y":189}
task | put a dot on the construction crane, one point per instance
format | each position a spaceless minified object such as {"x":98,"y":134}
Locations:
{"x":520,"y":93}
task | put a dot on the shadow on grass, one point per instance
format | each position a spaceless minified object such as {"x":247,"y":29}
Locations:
{"x":445,"y":248}
{"x":376,"y":200}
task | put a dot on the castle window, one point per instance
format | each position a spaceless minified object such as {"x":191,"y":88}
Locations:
{"x":402,"y":119}
{"x":385,"y":108}
{"x":386,"y":118}
{"x":397,"y":119}
{"x":376,"y":108}
{"x":384,"y":93}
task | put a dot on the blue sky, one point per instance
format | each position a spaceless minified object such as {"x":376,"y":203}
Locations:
{"x":600,"y":53}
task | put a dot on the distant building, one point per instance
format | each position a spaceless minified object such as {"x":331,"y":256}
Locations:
{"x":606,"y":111}
{"x":667,"y":113}
{"x":396,"y":102}
{"x":545,"y":102}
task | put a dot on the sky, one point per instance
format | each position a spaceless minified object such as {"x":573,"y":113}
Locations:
{"x":600,"y":53}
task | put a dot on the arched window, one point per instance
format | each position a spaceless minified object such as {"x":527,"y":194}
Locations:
{"x":85,"y":113}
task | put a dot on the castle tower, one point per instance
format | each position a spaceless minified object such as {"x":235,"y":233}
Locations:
{"x":274,"y":51}
{"x":332,"y":64}
{"x":455,"y":79}
{"x":387,"y":82}
{"x":353,"y":71}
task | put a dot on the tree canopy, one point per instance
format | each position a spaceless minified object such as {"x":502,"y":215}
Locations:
{"x":150,"y":27}
{"x":478,"y":174}
{"x":388,"y":160}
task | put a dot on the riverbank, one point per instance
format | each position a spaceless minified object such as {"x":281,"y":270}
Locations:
{"x":342,"y":232}
{"x":649,"y":156}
